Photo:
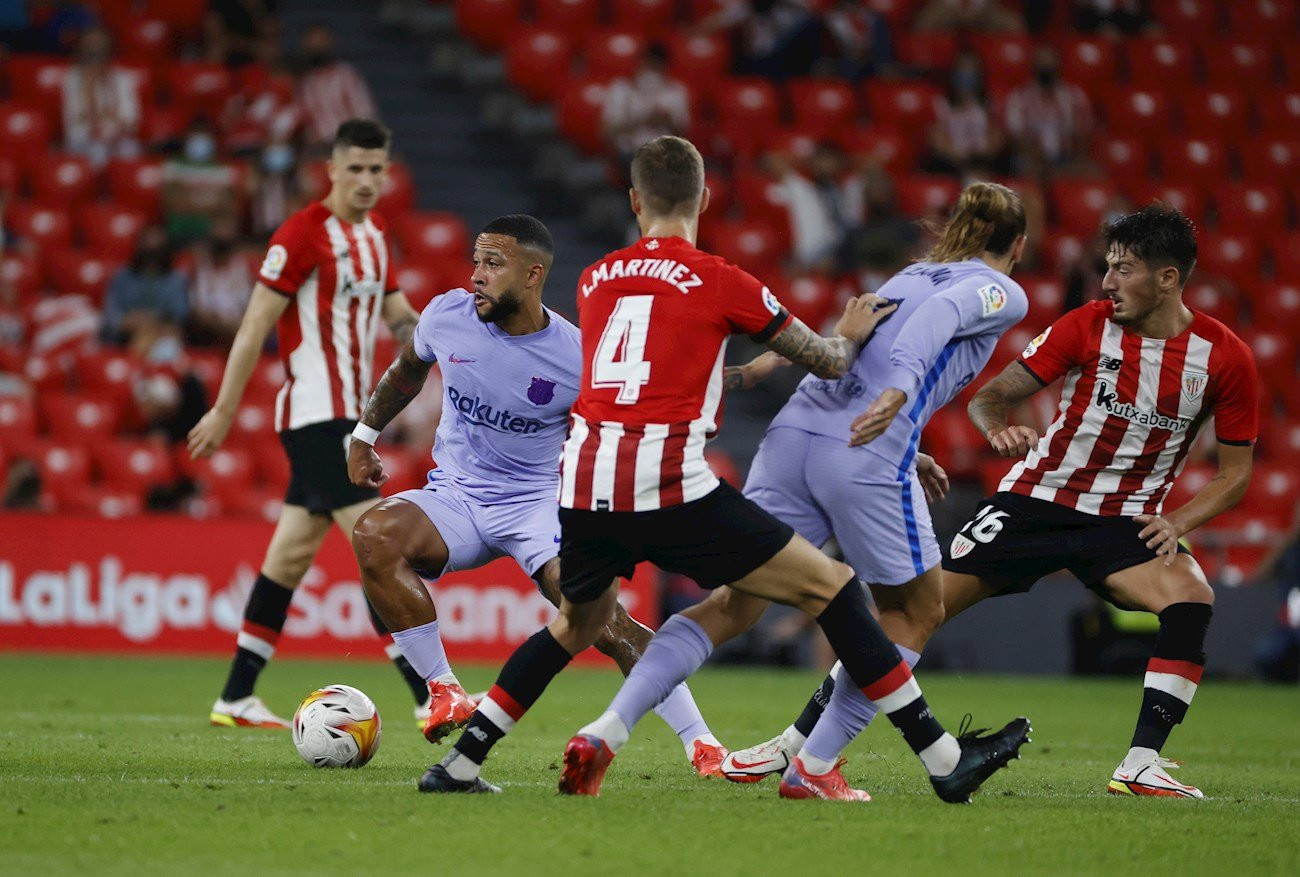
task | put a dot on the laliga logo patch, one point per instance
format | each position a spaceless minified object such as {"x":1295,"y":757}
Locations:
{"x":1194,"y":385}
{"x":770,"y":301}
{"x":274,"y":262}
{"x":1036,"y":343}
{"x":961,"y":546}
{"x":993,"y":298}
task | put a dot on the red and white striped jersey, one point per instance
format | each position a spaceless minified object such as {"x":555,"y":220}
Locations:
{"x":655,"y":318}
{"x":336,"y":275}
{"x":1130,"y":409}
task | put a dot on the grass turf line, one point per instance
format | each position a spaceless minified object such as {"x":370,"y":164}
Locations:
{"x":108,"y":766}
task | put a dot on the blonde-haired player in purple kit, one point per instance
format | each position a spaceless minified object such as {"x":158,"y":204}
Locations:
{"x":827,"y":468}
{"x":511,"y":369}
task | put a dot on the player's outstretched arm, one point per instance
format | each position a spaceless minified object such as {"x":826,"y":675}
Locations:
{"x":400,"y":317}
{"x":992,"y":404}
{"x":1220,"y":493}
{"x":400,"y":384}
{"x":832,"y":357}
{"x":757,"y":370}
{"x":264,"y":308}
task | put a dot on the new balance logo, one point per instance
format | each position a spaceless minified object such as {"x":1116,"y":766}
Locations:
{"x":477,"y":733}
{"x":1110,"y":363}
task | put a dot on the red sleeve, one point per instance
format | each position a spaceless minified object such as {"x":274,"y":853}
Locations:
{"x":1236,"y":396}
{"x":289,"y":259}
{"x":391,"y":268}
{"x":749,"y":306}
{"x":1060,"y":348}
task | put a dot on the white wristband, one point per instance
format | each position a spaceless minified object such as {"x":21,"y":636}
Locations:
{"x":364,"y":433}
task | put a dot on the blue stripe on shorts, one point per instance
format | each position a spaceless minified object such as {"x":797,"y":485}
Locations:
{"x":909,"y":513}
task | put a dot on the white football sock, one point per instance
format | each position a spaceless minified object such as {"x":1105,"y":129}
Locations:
{"x":940,"y":757}
{"x":706,"y":739}
{"x":814,"y":765}
{"x":609,"y":728}
{"x":459,"y":767}
{"x":792,"y":741}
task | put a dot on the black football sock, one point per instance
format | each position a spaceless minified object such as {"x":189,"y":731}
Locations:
{"x":1173,"y":673}
{"x":268,"y":607}
{"x":523,"y":679}
{"x":414,"y":681}
{"x":816,"y":705}
{"x":874,"y":665}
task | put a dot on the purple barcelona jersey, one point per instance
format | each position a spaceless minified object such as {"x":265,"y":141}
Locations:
{"x":506,"y":399}
{"x":949,"y":318}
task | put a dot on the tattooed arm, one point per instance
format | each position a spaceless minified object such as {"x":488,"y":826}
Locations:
{"x":400,"y":384}
{"x":400,"y":317}
{"x":832,"y":357}
{"x":989,"y":408}
{"x":757,"y":370}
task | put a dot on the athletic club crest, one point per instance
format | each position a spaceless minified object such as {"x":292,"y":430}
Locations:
{"x":961,"y":546}
{"x":541,"y":391}
{"x":1194,"y":385}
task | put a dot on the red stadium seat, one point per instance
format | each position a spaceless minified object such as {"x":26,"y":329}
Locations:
{"x":1046,"y":296}
{"x":398,"y":195}
{"x":653,"y":18}
{"x":538,"y":61}
{"x":1090,"y":63}
{"x":163,"y":126}
{"x":60,"y":464}
{"x":1213,"y":299}
{"x":1196,"y":161}
{"x":1274,"y":357}
{"x":136,"y":183}
{"x":823,"y":108}
{"x":921,"y":195}
{"x":94,"y":499}
{"x":1270,"y":161}
{"x":489,"y":23}
{"x":110,"y":229}
{"x":26,"y":133}
{"x":144,"y":39}
{"x":402,"y":471}
{"x":761,"y":197}
{"x":107,"y":374}
{"x":70,"y":416}
{"x":1006,"y":59}
{"x":750,"y":243}
{"x":256,"y":503}
{"x":17,"y":420}
{"x":1191,"y":17}
{"x":612,"y":54}
{"x":1061,"y":250}
{"x":80,"y":272}
{"x":183,"y":16}
{"x":811,"y":299}
{"x":1281,"y":439}
{"x":266,"y":380}
{"x":888,"y":147}
{"x":573,"y":18}
{"x":1277,"y":305}
{"x":270,"y":462}
{"x":22,"y":272}
{"x":1261,"y":19}
{"x":1249,"y":209}
{"x":1245,"y":64}
{"x":926,"y":50}
{"x":698,"y":59}
{"x":1147,"y":115}
{"x":226,"y":474}
{"x":1080,"y":205}
{"x":1232,"y":256}
{"x":1216,"y":112}
{"x":47,"y":227}
{"x":1126,"y":159}
{"x":63,"y":180}
{"x":418,"y":284}
{"x":199,"y":87}
{"x":750,"y":103}
{"x":1279,"y":111}
{"x":254,"y":423}
{"x":907,"y":106}
{"x":1188,"y":198}
{"x":1163,"y":60}
{"x":133,"y":465}
{"x":580,"y":114}
{"x":435,"y":235}
{"x":36,"y":81}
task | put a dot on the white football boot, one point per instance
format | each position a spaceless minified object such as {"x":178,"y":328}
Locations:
{"x":1150,"y":778}
{"x":753,"y":764}
{"x":247,"y":712}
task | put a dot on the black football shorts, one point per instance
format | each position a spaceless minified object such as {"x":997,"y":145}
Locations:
{"x":318,"y":467}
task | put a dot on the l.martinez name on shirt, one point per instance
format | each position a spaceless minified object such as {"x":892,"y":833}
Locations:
{"x":670,"y":271}
{"x":480,"y":413}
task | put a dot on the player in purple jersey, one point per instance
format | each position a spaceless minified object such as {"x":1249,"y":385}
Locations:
{"x":828,"y":469}
{"x":511,"y":370}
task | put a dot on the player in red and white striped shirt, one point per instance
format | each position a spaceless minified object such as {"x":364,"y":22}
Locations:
{"x":655,"y":319}
{"x":326,"y":284}
{"x":1143,"y":372}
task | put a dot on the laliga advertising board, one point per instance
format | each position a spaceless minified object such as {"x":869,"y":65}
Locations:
{"x":163,"y":584}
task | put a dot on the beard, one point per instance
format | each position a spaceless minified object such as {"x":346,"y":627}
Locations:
{"x":505,"y":306}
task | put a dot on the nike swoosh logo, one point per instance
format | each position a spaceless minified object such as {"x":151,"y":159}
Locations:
{"x":742,"y":765}
{"x":455,"y":360}
{"x":557,"y":540}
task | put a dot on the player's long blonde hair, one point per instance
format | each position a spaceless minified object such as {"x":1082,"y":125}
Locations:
{"x":988,"y":216}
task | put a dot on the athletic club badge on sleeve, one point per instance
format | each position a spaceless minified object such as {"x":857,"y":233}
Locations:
{"x":1194,"y":385}
{"x":541,"y":391}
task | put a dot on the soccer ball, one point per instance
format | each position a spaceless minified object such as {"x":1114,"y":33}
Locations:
{"x":336,"y":726}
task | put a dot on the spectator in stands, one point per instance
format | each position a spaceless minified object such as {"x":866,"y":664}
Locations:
{"x":277,"y":190}
{"x":54,"y":26}
{"x":221,"y":287}
{"x":1111,"y":17}
{"x":265,"y":107}
{"x":330,"y":91}
{"x":778,"y":38}
{"x":882,"y":239}
{"x":1049,"y":120}
{"x":981,"y":16}
{"x":815,"y":203}
{"x":146,"y":302}
{"x":965,"y":137}
{"x":197,"y":186}
{"x":644,"y":106}
{"x":234,"y":30}
{"x":101,"y":112}
{"x":861,"y":39}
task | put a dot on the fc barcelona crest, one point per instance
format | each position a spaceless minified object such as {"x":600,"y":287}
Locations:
{"x":541,"y":391}
{"x":1194,"y":385}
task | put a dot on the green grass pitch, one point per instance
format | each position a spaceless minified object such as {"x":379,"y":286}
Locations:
{"x":108,"y":766}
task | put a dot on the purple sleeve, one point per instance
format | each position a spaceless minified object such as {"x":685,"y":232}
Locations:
{"x":422,"y":338}
{"x":975,"y":307}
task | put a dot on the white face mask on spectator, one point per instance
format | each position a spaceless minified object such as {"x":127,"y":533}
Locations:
{"x":200,"y":148}
{"x":277,"y":159}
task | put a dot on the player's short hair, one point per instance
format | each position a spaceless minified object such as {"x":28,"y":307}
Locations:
{"x":1157,"y":234}
{"x":668,"y":173}
{"x":362,"y":133}
{"x":988,"y":217}
{"x":528,"y":230}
